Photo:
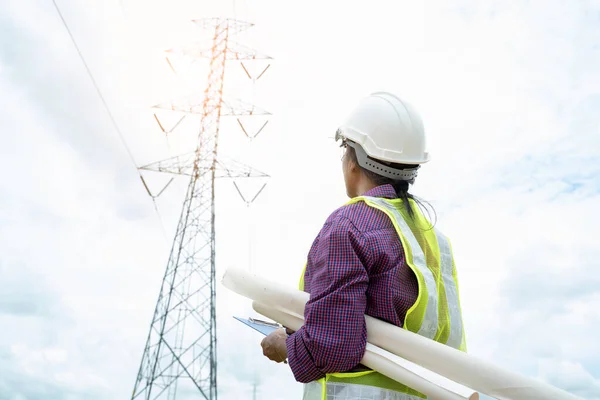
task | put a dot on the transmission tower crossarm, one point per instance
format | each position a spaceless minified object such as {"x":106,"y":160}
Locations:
{"x":229,"y":107}
{"x":236,"y":169}
{"x":235,"y":51}
{"x":184,"y":165}
{"x":233,"y":26}
{"x":177,"y":165}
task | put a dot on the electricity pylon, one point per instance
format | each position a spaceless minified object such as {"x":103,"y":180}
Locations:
{"x":180,"y":356}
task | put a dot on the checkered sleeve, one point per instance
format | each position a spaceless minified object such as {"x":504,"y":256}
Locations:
{"x":334,"y":336}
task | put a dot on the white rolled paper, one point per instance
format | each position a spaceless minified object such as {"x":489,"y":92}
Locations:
{"x":376,"y":359}
{"x":448,"y":362}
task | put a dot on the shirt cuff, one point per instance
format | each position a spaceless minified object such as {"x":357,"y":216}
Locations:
{"x":300,"y":360}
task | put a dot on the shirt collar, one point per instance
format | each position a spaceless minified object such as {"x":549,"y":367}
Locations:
{"x":386,"y":191}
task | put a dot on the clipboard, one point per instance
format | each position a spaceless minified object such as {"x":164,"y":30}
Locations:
{"x":263,"y":327}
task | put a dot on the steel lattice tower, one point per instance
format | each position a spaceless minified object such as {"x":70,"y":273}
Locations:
{"x":180,"y":355}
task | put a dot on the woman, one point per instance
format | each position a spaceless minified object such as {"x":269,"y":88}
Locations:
{"x":377,"y":255}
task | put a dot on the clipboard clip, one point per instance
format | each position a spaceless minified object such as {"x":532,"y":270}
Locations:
{"x":266,"y":323}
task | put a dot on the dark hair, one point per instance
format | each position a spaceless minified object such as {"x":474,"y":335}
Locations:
{"x":400,"y":186}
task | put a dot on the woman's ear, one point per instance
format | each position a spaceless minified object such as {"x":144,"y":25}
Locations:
{"x":353,"y":166}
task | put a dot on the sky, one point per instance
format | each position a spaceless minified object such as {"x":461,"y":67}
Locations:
{"x":509,"y":93}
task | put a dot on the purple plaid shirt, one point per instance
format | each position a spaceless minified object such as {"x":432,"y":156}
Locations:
{"x":356,"y":266}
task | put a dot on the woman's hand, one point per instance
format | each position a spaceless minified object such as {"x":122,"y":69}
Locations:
{"x":274,"y":347}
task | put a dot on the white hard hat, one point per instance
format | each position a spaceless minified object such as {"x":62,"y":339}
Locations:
{"x":386,"y":128}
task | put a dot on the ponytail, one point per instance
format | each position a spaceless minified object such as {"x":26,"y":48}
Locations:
{"x":400,"y":186}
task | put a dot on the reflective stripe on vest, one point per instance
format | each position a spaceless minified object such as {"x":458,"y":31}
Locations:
{"x":348,"y":391}
{"x":448,"y":276}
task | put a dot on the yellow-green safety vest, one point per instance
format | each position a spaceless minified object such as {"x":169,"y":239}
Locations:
{"x":436,"y":314}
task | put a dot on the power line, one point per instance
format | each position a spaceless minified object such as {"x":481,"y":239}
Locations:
{"x":87,"y":68}
{"x":107,"y":108}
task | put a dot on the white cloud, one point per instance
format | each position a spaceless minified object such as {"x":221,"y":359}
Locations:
{"x":571,"y":375}
{"x":509,"y":96}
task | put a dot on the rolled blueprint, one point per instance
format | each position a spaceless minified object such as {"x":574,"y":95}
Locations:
{"x":378,"y":360}
{"x":446,"y":361}
{"x":264,"y":291}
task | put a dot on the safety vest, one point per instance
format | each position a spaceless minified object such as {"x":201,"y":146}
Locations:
{"x":436,"y":314}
